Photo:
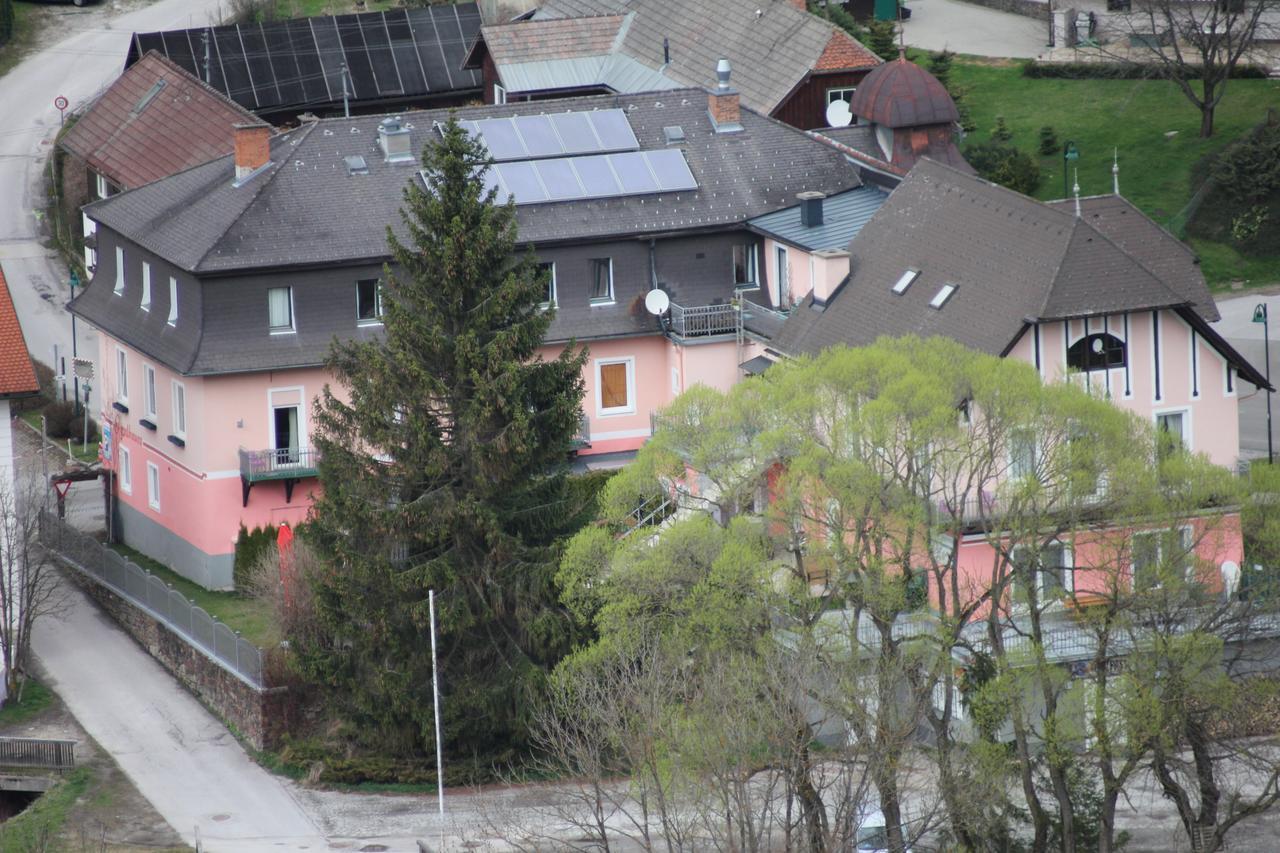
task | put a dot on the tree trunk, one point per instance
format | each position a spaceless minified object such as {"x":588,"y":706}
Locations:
{"x":1107,"y":821}
{"x":891,"y":808}
{"x":813,"y":813}
{"x":1066,"y":812}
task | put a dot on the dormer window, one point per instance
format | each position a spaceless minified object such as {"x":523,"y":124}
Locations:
{"x":119,"y":288}
{"x":942,"y":296}
{"x":1098,"y":351}
{"x":900,"y":287}
{"x":146,"y":286}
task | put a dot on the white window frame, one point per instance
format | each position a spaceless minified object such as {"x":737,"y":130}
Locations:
{"x":377,"y":302}
{"x":753,"y":267}
{"x":499,"y":93}
{"x":153,"y":486}
{"x":1017,"y":436}
{"x":839,"y":92}
{"x":602,"y":300}
{"x":101,"y":186}
{"x":614,"y":411}
{"x":122,"y":376}
{"x":178,"y":403}
{"x":282,"y":330}
{"x":1188,"y":536}
{"x":556,"y":296}
{"x":146,"y":286}
{"x":1068,"y":568}
{"x":1185,"y":411}
{"x":173,"y":302}
{"x":119,"y":288}
{"x":125,"y":470}
{"x":782,"y":276}
{"x":149,"y":394}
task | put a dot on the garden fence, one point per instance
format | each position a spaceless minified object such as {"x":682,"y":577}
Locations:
{"x":150,"y":594}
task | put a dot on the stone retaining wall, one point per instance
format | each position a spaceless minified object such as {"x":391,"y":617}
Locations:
{"x":259,"y":714}
{"x":1038,"y":9}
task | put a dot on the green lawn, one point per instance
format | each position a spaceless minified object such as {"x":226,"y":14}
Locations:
{"x":24,"y":31}
{"x":1132,"y":117}
{"x":250,"y":616}
{"x":82,"y":452}
{"x":303,"y":8}
{"x":35,"y":699}
{"x":38,"y":827}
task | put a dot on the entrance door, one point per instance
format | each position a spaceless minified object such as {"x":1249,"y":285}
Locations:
{"x":286,"y":435}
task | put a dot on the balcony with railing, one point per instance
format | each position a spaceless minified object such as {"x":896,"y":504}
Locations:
{"x":701,"y":321}
{"x":287,"y":464}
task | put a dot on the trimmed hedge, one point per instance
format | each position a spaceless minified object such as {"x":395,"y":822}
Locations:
{"x":1117,"y":71}
{"x":251,"y":545}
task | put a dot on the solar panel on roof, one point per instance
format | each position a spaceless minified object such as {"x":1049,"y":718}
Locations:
{"x":614,"y":130}
{"x":539,"y":136}
{"x":576,"y":133}
{"x":596,"y":176}
{"x":671,"y":169}
{"x":559,"y":179}
{"x":501,"y":139}
{"x":522,"y":180}
{"x":632,"y":168}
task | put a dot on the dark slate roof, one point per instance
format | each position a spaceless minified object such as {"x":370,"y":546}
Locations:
{"x":1165,"y":255}
{"x":154,"y":120}
{"x":843,"y":216}
{"x":1012,"y":259}
{"x":296,"y":64}
{"x":305,"y":209}
{"x":771,"y":45}
{"x":902,"y":94}
{"x":859,"y":137}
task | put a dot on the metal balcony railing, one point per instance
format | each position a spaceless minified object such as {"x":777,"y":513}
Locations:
{"x":703,"y":320}
{"x":282,"y":463}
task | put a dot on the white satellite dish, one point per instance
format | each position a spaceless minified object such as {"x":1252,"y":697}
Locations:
{"x":838,"y":114}
{"x":656,"y":302}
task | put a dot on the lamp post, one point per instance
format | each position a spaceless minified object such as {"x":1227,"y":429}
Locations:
{"x":1069,"y":154}
{"x":1260,"y":316}
{"x":75,"y":281}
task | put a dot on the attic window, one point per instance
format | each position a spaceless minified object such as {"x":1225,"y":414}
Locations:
{"x":149,"y":96}
{"x":674,"y":134}
{"x":942,"y":296}
{"x":903,"y":283}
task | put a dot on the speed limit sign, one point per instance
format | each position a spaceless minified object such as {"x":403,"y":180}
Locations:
{"x":61,"y":103}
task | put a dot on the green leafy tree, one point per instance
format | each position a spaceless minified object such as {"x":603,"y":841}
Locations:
{"x":882,"y":38}
{"x":442,"y":465}
{"x":1004,"y":165}
{"x":1249,"y":170}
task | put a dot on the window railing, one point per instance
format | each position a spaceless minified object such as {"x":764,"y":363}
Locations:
{"x":278,"y":463}
{"x":703,"y":320}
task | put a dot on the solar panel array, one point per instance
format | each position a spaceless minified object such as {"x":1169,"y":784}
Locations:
{"x":535,"y":137}
{"x":591,"y":176}
{"x":400,"y":53}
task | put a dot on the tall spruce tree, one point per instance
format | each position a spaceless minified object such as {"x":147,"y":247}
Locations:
{"x":442,"y":462}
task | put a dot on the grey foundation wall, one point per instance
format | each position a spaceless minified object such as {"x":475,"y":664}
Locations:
{"x":212,"y":571}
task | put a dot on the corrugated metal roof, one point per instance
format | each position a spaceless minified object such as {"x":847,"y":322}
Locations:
{"x":843,"y":216}
{"x":620,"y":73}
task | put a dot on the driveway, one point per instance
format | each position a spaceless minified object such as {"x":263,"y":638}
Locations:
{"x":967,"y":28}
{"x":1238,"y":328}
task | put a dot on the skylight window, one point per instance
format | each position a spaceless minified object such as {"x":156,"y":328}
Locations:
{"x":903,"y":283}
{"x":943,"y":295}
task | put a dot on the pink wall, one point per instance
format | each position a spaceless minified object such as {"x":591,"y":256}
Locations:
{"x":1211,"y":410}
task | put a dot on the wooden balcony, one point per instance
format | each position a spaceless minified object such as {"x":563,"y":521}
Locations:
{"x":288,"y":465}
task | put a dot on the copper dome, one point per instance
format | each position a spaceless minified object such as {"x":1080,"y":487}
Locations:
{"x":902,"y":94}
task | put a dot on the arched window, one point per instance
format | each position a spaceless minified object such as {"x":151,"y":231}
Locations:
{"x":1097,"y":351}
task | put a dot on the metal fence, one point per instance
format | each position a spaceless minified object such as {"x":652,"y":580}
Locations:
{"x":149,"y":593}
{"x":36,"y":752}
{"x":701,"y":320}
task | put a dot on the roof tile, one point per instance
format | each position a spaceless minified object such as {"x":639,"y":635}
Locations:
{"x":17,"y":376}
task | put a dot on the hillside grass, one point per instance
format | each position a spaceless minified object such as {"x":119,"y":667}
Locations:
{"x":1150,"y":124}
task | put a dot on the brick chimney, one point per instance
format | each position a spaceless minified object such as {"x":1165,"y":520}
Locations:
{"x":253,"y":148}
{"x":722,"y":102}
{"x":800,"y":5}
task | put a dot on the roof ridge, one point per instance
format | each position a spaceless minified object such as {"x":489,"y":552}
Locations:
{"x":1175,"y":299}
{"x":222,"y":96}
{"x":270,"y":176}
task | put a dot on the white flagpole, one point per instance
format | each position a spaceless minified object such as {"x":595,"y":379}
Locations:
{"x":435,"y":692}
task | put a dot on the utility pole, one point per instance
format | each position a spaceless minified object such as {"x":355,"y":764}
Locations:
{"x":206,"y":56}
{"x":75,"y":378}
{"x":346,"y":106}
{"x":1260,"y":316}
{"x":435,"y":692}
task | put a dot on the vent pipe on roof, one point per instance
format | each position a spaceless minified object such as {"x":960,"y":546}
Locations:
{"x":253,"y":148}
{"x":1075,"y":190}
{"x":811,"y":208}
{"x":1115,"y":171}
{"x":666,"y":52}
{"x":393,"y":139}
{"x":722,"y":104}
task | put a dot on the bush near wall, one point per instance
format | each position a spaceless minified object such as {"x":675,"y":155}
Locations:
{"x":1116,"y":71}
{"x":251,"y":545}
{"x":6,"y":20}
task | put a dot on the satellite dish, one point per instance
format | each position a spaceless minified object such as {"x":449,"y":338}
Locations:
{"x":656,"y":302}
{"x":838,"y":114}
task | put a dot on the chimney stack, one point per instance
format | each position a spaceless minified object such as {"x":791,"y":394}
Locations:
{"x":811,"y":208}
{"x":832,"y":267}
{"x":253,"y":148}
{"x":722,"y":103}
{"x":393,"y":139}
{"x":800,"y":5}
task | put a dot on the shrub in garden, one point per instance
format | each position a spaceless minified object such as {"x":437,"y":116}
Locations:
{"x":1048,"y":141}
{"x":1004,"y":165}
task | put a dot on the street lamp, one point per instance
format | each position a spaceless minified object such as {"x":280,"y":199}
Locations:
{"x":1260,"y":316}
{"x":1069,"y":154}
{"x":75,"y":281}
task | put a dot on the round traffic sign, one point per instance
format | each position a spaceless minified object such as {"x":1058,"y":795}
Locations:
{"x":61,"y":102}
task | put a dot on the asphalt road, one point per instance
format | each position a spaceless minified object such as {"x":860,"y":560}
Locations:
{"x":77,"y":67}
{"x":1238,"y":328}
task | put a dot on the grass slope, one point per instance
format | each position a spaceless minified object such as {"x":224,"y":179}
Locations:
{"x":1132,"y":117}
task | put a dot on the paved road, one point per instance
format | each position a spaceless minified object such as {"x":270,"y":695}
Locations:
{"x":77,"y":67}
{"x":1237,"y":326}
{"x":967,"y":28}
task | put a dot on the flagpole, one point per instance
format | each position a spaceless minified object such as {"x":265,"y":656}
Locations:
{"x":435,"y":692}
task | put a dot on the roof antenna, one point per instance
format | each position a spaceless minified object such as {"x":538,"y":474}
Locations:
{"x":902,"y":36}
{"x":1076,"y":191}
{"x":1115,"y":171}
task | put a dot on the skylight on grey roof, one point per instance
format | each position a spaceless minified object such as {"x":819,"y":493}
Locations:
{"x":943,"y":294}
{"x":592,"y":176}
{"x":905,"y":281}
{"x":356,"y":165}
{"x":532,"y":137}
{"x":149,"y":96}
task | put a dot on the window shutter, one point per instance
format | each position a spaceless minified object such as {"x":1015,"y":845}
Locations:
{"x":613,"y":386}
